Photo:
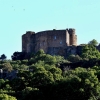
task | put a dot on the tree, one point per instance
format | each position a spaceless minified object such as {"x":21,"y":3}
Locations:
{"x":3,"y":57}
{"x":80,"y":84}
{"x":41,"y":51}
{"x":90,"y":52}
{"x":6,"y":97}
{"x":41,"y":78}
{"x":1,"y":82}
{"x":41,"y":56}
{"x":19,"y":55}
{"x":57,"y":73}
{"x":60,"y":59}
{"x":74,"y":58}
{"x":23,"y":67}
{"x":93,"y":42}
{"x":7,"y":67}
{"x":50,"y":59}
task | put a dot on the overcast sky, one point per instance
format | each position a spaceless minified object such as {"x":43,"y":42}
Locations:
{"x":19,"y":16}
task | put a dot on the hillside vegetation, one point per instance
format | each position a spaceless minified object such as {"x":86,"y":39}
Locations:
{"x":46,"y":77}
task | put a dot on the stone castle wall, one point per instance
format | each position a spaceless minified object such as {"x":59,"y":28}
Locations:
{"x":48,"y":40}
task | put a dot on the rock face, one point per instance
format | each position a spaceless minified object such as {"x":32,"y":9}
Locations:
{"x":54,"y":42}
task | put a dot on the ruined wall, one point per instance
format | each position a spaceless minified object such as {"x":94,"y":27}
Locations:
{"x":41,"y":41}
{"x":69,"y":50}
{"x":55,"y":38}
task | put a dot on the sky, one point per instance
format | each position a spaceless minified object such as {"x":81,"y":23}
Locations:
{"x":19,"y":16}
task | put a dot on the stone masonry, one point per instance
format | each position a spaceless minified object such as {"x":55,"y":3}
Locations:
{"x":54,"y":42}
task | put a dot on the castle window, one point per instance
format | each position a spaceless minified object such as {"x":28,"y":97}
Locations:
{"x":55,"y":37}
{"x":60,"y":42}
{"x":43,"y":43}
{"x":40,"y":44}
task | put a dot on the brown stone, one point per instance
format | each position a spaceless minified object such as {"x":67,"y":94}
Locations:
{"x":48,"y":40}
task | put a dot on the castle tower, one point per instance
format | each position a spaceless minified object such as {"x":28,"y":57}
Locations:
{"x":67,"y":38}
{"x":73,"y":36}
{"x":27,"y":41}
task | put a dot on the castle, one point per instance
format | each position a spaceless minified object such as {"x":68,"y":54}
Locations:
{"x":53,"y":42}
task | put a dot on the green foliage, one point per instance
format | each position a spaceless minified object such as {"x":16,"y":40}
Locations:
{"x":24,"y":62}
{"x":6,"y":66}
{"x":23,"y":67}
{"x":93,"y":42}
{"x":3,"y":57}
{"x":90,"y":52}
{"x":19,"y":55}
{"x":6,"y":97}
{"x":27,"y":90}
{"x":57,"y":73}
{"x":15,"y":66}
{"x":40,"y":78}
{"x":1,"y":82}
{"x":15,"y":62}
{"x":39,"y":56}
{"x":83,"y":84}
{"x":50,"y":59}
{"x":41,"y":51}
{"x":74,"y":58}
{"x":60,"y":59}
